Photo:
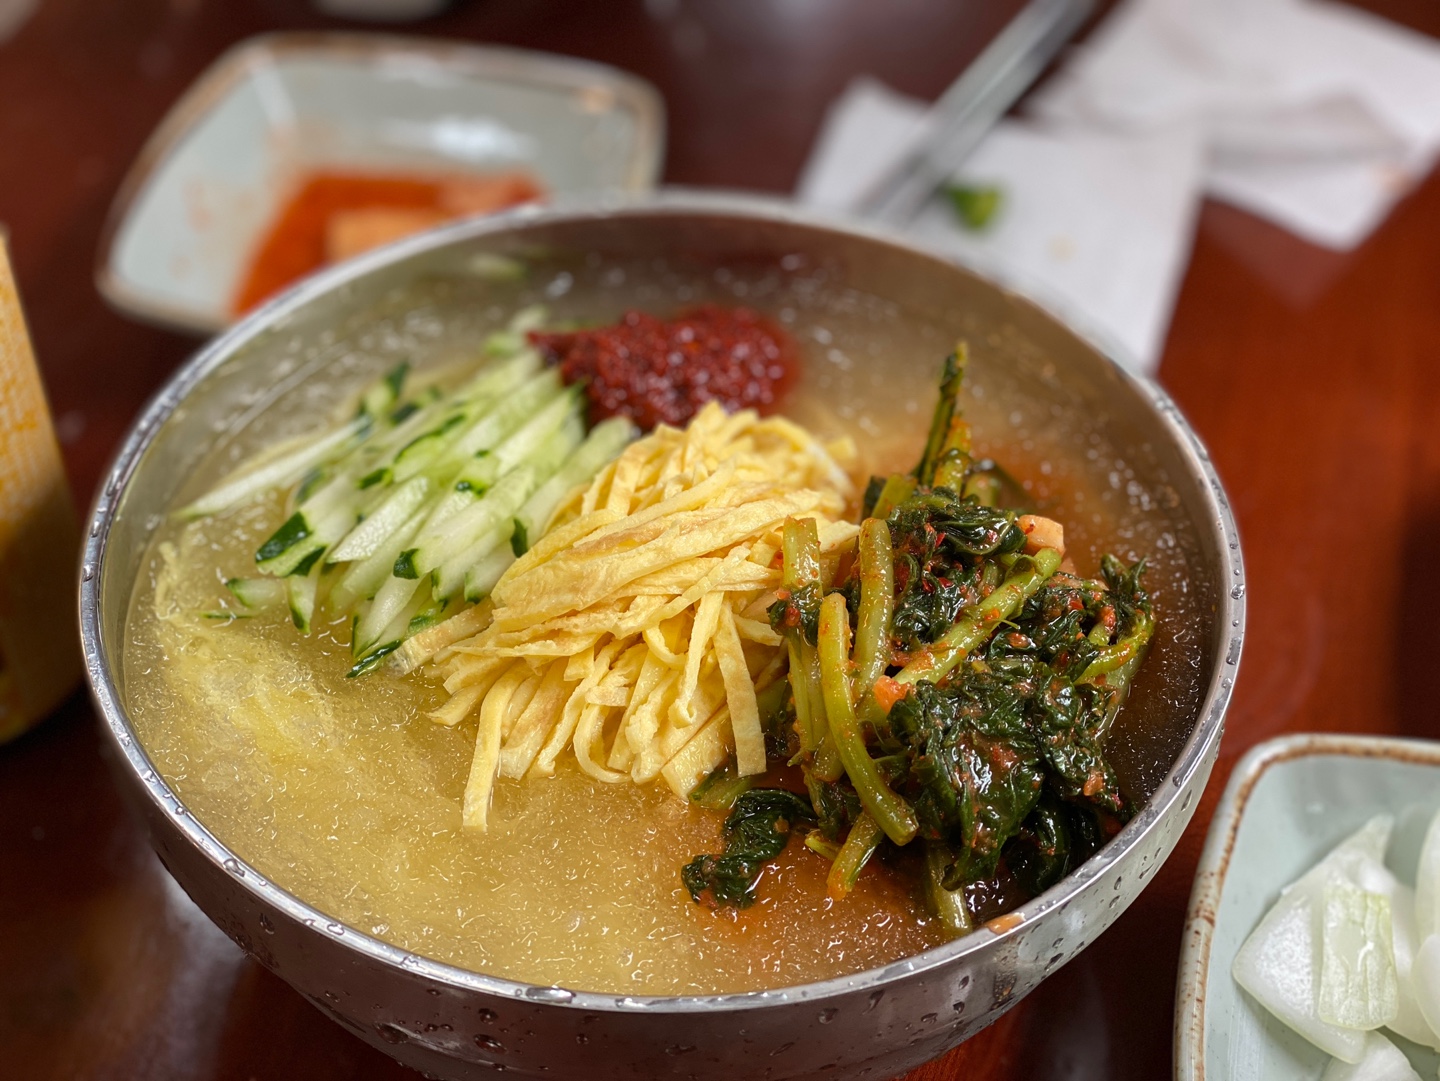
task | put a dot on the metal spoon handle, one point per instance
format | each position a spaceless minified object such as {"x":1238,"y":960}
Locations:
{"x":970,"y":107}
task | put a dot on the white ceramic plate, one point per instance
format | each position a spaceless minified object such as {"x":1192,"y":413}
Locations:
{"x":1289,"y":801}
{"x":217,"y":169}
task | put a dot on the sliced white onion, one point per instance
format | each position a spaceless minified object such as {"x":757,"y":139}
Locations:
{"x":1427,"y":883}
{"x":1381,"y":1061}
{"x":1278,"y":964}
{"x":1409,"y":1021}
{"x":1425,"y":980}
{"x":1357,"y":962}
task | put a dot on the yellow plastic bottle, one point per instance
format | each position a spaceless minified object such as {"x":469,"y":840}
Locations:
{"x":39,"y":543}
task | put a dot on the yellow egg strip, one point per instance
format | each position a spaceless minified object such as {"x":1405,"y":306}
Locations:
{"x":633,"y":632}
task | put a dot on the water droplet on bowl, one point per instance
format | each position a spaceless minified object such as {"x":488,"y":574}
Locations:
{"x":488,"y":1043}
{"x":828,"y":1015}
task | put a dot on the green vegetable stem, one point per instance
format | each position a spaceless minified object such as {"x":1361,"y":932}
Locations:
{"x":864,"y":838}
{"x":877,"y":604}
{"x":980,"y":622}
{"x":891,"y":812}
{"x":946,"y":905}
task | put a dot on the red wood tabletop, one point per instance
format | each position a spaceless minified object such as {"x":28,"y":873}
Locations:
{"x":1313,"y":376}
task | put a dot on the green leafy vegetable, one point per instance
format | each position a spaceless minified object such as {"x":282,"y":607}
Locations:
{"x":835,"y":805}
{"x":975,"y":768}
{"x":756,"y":831}
{"x":1055,"y":838}
{"x":942,"y":545}
{"x":972,"y":708}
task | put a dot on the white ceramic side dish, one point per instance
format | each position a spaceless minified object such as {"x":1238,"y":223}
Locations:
{"x":216,"y":170}
{"x":1288,"y":803}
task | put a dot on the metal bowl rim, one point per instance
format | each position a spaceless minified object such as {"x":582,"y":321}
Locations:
{"x":1191,"y":758}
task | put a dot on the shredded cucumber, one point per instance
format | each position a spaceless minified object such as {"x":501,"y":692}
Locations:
{"x":390,"y":601}
{"x":300,"y":591}
{"x":393,"y":513}
{"x":362,"y":578}
{"x":263,"y":477}
{"x":257,"y":593}
{"x":501,"y":502}
{"x":480,"y":579}
{"x":416,"y":503}
{"x":606,"y":440}
{"x":503,"y":420}
{"x":450,"y":575}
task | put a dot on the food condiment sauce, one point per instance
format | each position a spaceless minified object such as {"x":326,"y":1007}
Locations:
{"x":656,"y":370}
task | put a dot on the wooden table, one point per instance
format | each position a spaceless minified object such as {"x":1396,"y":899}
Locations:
{"x":1314,"y":377}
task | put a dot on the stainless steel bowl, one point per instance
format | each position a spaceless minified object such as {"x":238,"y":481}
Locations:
{"x":1070,"y":399}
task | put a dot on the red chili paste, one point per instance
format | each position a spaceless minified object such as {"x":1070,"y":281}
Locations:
{"x":654,"y":370}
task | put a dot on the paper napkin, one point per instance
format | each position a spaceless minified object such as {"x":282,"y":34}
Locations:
{"x":1316,"y":115}
{"x":1095,"y":225}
